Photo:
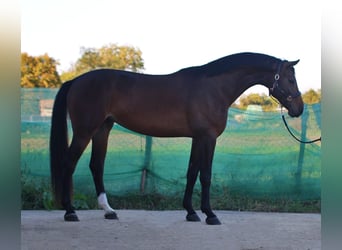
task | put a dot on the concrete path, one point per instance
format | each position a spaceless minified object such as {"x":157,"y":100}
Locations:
{"x":139,"y":229}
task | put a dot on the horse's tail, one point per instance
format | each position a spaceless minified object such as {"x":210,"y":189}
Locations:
{"x":59,"y":141}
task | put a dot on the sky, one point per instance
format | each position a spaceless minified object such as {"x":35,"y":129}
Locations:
{"x":179,"y":33}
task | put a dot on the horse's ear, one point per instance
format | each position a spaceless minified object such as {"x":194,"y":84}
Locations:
{"x":293,"y":63}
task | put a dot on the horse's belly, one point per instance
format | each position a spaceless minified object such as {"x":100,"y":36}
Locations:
{"x":159,"y":125}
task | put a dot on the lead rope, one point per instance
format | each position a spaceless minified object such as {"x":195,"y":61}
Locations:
{"x":271,"y":90}
{"x":287,"y":126}
{"x":288,"y":129}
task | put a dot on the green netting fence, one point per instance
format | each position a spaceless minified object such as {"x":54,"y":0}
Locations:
{"x":255,"y":156}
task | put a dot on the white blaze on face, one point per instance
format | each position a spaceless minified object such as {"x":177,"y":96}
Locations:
{"x":103,"y":203}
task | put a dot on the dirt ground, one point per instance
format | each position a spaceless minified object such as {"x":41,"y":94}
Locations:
{"x":138,"y":229}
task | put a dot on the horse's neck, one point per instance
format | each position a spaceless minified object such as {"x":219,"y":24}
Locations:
{"x":234,"y":84}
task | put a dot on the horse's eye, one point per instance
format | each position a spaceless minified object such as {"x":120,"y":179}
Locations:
{"x":292,"y":81}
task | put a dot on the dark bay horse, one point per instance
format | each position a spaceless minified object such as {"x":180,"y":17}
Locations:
{"x":192,"y":102}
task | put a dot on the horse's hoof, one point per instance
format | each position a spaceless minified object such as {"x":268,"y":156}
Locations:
{"x":111,"y":216}
{"x":71,"y":217}
{"x":193,"y":217}
{"x":213,"y":221}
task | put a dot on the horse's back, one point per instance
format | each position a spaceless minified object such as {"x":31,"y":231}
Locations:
{"x":149,"y":104}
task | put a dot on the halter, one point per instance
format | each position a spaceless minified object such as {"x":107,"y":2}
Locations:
{"x":289,"y":98}
{"x":275,"y":86}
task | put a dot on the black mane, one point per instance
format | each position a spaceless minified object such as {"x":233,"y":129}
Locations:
{"x":232,"y":62}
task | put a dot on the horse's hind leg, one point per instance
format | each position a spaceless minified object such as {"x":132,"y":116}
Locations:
{"x":98,"y":154}
{"x":74,"y":152}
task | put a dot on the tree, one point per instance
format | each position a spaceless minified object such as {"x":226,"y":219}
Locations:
{"x":311,"y":96}
{"x":267,"y":103}
{"x":108,"y":56}
{"x":39,"y":72}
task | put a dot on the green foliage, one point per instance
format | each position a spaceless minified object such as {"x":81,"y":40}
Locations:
{"x":311,"y":96}
{"x":39,"y":72}
{"x":35,"y":195}
{"x":266,"y":102}
{"x":108,"y":56}
{"x":81,"y":201}
{"x":40,"y":198}
{"x":269,"y":104}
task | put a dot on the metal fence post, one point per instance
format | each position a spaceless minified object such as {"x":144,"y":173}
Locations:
{"x":147,"y":162}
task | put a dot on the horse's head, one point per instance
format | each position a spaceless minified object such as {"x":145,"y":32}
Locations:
{"x":285,"y":88}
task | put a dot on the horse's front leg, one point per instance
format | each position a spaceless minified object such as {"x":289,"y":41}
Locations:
{"x":205,"y":178}
{"x":207,"y":154}
{"x":202,"y":152}
{"x":187,"y":201}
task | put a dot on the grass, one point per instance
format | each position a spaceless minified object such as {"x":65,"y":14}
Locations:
{"x":37,"y":195}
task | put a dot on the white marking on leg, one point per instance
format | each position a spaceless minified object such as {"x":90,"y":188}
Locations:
{"x":103,"y":203}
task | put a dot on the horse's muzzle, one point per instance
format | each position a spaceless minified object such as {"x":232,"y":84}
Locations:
{"x":296,"y":107}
